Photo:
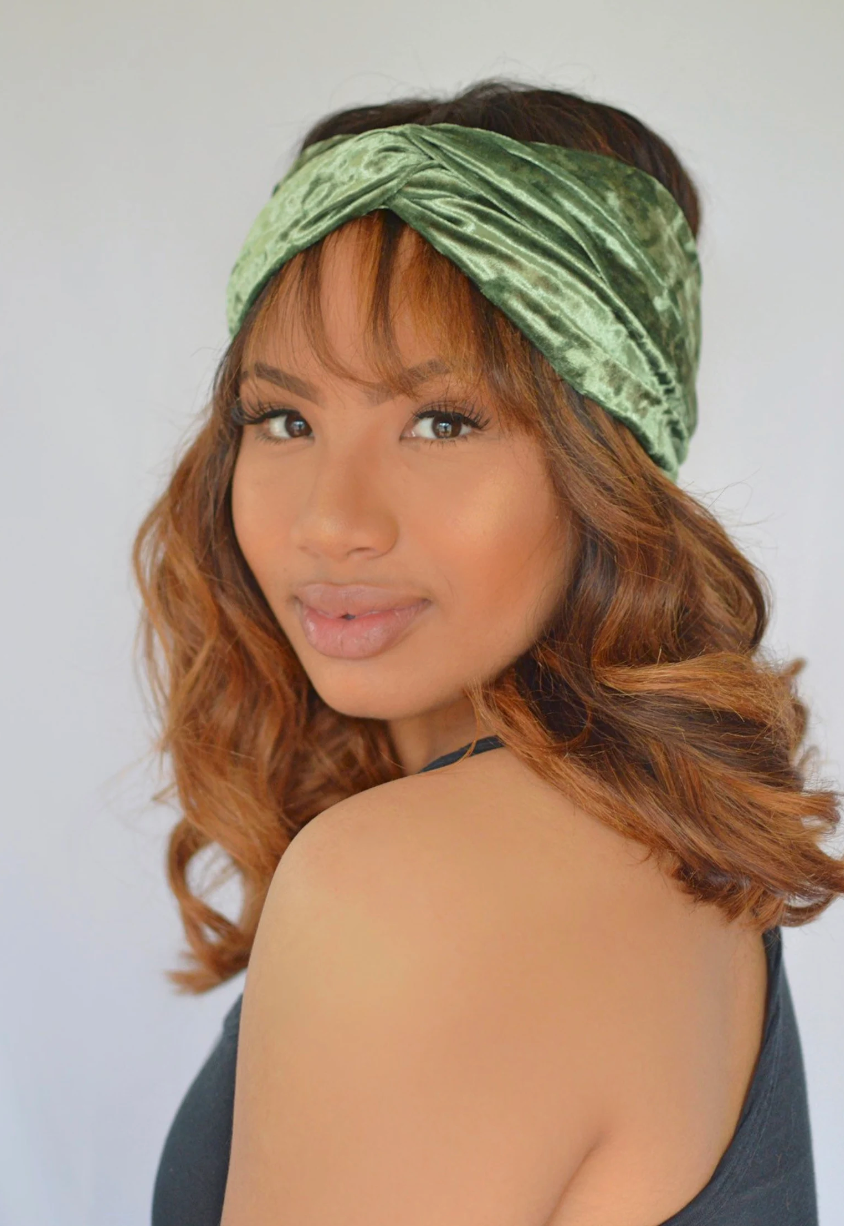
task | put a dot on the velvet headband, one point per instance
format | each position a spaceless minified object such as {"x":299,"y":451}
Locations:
{"x":592,"y":259}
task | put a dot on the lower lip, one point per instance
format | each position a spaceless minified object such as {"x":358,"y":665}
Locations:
{"x":360,"y":637}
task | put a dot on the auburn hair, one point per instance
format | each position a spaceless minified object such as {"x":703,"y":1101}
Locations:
{"x":649,"y":699}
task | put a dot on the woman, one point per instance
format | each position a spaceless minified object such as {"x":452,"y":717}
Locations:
{"x":432,"y":513}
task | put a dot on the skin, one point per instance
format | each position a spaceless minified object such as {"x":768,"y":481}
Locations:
{"x":470,"y":523}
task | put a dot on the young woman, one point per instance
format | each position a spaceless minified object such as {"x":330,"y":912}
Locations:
{"x":472,"y":697}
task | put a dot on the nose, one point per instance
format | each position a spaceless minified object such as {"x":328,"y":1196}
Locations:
{"x":347,"y":507}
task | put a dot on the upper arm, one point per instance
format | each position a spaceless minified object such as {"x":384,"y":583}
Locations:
{"x":394,"y":1064}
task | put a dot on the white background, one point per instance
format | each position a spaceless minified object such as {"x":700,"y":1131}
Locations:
{"x":138,"y":142}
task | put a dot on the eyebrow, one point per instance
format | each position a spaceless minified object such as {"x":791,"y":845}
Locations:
{"x":377,"y":395}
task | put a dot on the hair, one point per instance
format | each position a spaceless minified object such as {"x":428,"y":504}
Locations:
{"x":648,"y":699}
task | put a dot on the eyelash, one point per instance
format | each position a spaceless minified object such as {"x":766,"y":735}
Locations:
{"x":242,"y":417}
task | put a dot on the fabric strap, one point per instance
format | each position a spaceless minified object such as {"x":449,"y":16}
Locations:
{"x":592,"y":259}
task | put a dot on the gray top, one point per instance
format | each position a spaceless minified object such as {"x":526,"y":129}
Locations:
{"x":764,"y":1178}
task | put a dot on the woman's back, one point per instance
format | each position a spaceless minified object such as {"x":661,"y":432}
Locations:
{"x":679,"y":1071}
{"x":675,"y":1044}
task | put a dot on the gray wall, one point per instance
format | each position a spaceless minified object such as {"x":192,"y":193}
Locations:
{"x":138,"y":142}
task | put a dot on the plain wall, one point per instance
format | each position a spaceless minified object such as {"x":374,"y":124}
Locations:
{"x":138,"y":143}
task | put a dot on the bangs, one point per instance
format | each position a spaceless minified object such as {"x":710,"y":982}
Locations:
{"x":396,"y":268}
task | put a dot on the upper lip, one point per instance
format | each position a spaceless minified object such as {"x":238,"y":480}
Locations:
{"x":355,"y":598}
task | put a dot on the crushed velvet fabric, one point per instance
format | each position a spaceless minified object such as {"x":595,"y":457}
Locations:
{"x":592,"y":259}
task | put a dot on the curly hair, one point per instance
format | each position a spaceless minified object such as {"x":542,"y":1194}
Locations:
{"x":648,"y":699}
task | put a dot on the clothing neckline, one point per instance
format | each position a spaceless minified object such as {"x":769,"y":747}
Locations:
{"x":480,"y":746}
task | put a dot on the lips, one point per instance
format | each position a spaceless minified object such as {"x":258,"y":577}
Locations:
{"x":361,"y":636}
{"x":353,"y":600}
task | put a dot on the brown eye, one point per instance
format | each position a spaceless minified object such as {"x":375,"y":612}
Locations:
{"x":454,"y":421}
{"x":264,"y":417}
{"x":284,"y":426}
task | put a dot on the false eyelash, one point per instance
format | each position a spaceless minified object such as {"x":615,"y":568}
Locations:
{"x":472,"y":417}
{"x":242,"y":417}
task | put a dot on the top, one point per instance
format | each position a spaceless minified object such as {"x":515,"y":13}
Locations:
{"x":765,"y":1176}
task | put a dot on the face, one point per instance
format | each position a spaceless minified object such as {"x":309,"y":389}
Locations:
{"x":356,"y":499}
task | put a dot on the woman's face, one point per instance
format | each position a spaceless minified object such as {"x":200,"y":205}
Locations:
{"x":457,"y":523}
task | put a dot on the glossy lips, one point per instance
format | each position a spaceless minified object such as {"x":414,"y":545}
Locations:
{"x":356,"y":638}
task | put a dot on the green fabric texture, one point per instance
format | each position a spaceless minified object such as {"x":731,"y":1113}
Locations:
{"x":592,"y":259}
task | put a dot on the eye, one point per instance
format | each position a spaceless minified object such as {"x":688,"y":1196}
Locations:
{"x":281,"y":426}
{"x":271,"y":422}
{"x":454,"y":420}
{"x":278,"y":425}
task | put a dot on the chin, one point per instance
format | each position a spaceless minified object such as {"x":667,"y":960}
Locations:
{"x":368,"y":698}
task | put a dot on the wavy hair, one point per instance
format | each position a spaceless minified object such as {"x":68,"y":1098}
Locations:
{"x":648,"y":699}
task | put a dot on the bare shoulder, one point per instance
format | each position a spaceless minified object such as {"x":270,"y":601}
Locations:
{"x":674,"y":994}
{"x":480,"y":871}
{"x":466,"y":945}
{"x":663,"y":984}
{"x":490,"y":824}
{"x":489,"y":803}
{"x":406,"y":1053}
{"x":490,"y":828}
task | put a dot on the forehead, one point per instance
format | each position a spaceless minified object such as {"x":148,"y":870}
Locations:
{"x":354,"y":315}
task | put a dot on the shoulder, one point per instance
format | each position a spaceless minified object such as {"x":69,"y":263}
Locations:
{"x":482,"y":846}
{"x":488,"y":849}
{"x":489,"y":838}
{"x":443,"y":875}
{"x":505,"y":884}
{"x":490,"y":804}
{"x":402,"y":1041}
{"x":456,"y":982}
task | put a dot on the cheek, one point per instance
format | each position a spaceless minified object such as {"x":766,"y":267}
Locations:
{"x":504,"y":547}
{"x":256,"y":518}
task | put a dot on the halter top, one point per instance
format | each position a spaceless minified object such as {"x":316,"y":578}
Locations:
{"x":765,"y":1176}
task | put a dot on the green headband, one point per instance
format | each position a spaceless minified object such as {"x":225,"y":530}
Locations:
{"x":592,"y":259}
